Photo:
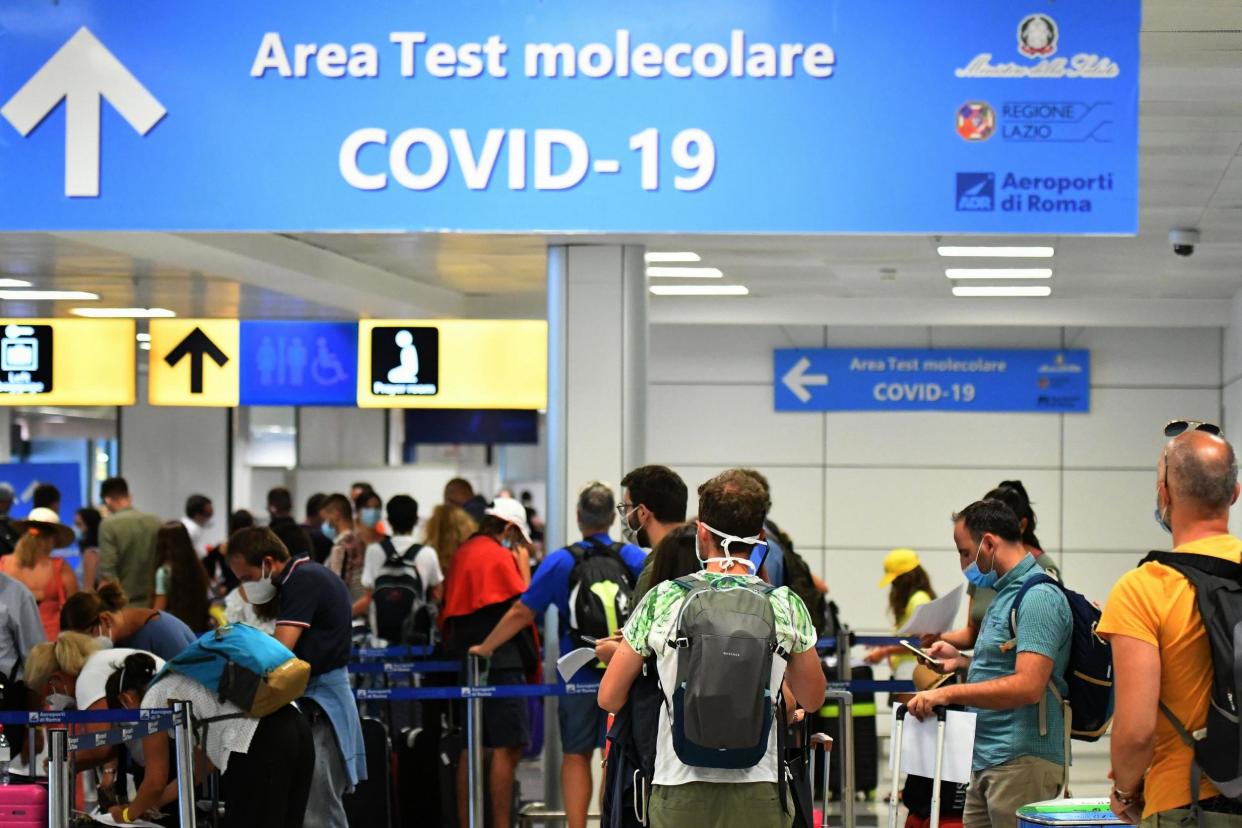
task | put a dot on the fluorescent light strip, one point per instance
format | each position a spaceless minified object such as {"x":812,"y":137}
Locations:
{"x":1035,"y":252}
{"x":1010,"y":290}
{"x":123,"y":313}
{"x":699,"y":290}
{"x":144,"y":346}
{"x":684,"y":272}
{"x":13,"y":283}
{"x":998,"y":272}
{"x":48,"y":295}
{"x":683,"y":257}
{"x":144,"y":337}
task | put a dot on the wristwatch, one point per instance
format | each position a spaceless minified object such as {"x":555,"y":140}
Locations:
{"x":1125,"y":797}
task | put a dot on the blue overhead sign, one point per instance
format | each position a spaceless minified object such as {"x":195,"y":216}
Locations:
{"x":798,"y":116}
{"x":908,"y":379}
{"x":299,"y":363}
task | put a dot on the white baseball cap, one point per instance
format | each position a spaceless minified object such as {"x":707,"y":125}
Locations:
{"x":510,"y":511}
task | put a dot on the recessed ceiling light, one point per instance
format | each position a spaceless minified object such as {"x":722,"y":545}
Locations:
{"x":13,"y":283}
{"x":1010,"y":290}
{"x":999,"y":252}
{"x":48,"y":295}
{"x":144,"y":337}
{"x":686,"y":256}
{"x":685,"y":272}
{"x":998,"y":272}
{"x":699,"y":290}
{"x":123,"y":313}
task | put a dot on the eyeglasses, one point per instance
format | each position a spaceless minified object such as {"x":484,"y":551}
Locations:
{"x":1176,"y":427}
{"x":624,"y":512}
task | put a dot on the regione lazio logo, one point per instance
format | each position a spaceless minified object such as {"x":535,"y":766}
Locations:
{"x":1037,"y":36}
{"x":976,"y":192}
{"x":976,"y":121}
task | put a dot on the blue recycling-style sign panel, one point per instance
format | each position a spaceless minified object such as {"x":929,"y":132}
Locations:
{"x":908,"y":379}
{"x":299,"y":363}
{"x":763,"y":116}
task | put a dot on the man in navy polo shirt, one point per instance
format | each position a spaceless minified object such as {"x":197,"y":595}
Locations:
{"x":313,"y":620}
{"x":583,"y":724}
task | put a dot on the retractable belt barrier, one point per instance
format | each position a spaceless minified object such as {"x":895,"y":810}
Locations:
{"x":393,"y":652}
{"x":128,"y":725}
{"x":405,"y":667}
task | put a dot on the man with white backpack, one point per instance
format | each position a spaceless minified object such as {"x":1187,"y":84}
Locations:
{"x":723,"y":642}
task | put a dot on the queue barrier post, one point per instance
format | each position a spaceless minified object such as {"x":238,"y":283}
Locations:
{"x":845,"y":709}
{"x":59,"y":782}
{"x":183,"y":731}
{"x":474,"y":744}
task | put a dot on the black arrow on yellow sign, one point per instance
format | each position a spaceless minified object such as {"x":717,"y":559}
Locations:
{"x":196,"y":346}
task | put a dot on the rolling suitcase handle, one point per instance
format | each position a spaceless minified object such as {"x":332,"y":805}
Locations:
{"x":824,"y":741}
{"x":894,"y":797}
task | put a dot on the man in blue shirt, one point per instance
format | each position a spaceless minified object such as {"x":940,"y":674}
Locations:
{"x":582,"y":723}
{"x":1015,"y":681}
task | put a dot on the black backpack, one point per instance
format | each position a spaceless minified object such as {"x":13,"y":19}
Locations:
{"x":1089,"y":674}
{"x":402,"y":613}
{"x":601,"y":591}
{"x":800,"y":582}
{"x":1218,"y":596}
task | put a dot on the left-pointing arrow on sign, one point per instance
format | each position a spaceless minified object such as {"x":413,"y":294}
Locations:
{"x":196,"y":346}
{"x":797,"y":379}
{"x":82,"y":73}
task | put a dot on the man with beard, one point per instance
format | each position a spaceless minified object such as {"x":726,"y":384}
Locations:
{"x":653,"y":503}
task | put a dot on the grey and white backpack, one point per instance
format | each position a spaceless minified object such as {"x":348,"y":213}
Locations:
{"x":722,"y":707}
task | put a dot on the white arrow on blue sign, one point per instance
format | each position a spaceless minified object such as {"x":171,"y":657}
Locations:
{"x":82,"y":73}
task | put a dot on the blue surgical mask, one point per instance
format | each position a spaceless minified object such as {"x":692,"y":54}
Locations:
{"x":329,"y":531}
{"x":1160,"y":518}
{"x":982,"y":580}
{"x":370,"y":518}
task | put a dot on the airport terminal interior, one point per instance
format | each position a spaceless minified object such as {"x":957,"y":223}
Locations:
{"x":893,"y":277}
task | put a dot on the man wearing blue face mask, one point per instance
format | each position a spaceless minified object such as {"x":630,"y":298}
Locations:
{"x":348,"y":556}
{"x":1020,"y":755}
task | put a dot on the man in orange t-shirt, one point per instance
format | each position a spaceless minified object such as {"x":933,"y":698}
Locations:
{"x":1160,"y":646}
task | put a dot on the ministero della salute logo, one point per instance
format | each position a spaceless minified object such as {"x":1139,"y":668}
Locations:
{"x":1038,"y":36}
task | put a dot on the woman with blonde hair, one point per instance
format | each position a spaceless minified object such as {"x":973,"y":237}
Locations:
{"x":448,"y":528}
{"x":47,"y":578}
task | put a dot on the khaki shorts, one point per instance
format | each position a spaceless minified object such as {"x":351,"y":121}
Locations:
{"x":718,"y":805}
{"x":1180,"y":818}
{"x":996,"y":794}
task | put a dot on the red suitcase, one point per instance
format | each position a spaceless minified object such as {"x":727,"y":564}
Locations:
{"x":23,"y":806}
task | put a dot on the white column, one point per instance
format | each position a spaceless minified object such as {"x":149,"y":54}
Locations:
{"x":597,"y":399}
{"x":1231,"y":390}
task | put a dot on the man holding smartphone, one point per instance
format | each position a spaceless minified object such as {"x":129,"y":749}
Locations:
{"x":1019,"y":752}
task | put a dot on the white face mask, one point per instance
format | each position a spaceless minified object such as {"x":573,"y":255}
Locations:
{"x":727,"y":561}
{"x":60,"y":701}
{"x":260,"y":591}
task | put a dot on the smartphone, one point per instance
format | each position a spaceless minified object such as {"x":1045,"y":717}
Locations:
{"x":922,"y":655}
{"x":588,"y":639}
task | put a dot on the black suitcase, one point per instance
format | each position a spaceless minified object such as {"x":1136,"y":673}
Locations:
{"x":866,"y":743}
{"x":370,"y":805}
{"x":427,"y":759}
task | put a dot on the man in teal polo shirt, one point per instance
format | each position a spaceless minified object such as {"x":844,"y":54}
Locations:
{"x":1019,"y":747}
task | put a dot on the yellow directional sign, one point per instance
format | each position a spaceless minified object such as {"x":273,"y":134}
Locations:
{"x":66,"y":362}
{"x":194,"y":362}
{"x":454,"y":363}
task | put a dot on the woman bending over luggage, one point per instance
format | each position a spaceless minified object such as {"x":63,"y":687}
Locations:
{"x":266,"y":764}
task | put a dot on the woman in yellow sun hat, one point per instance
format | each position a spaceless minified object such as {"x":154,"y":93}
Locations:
{"x":908,"y":588}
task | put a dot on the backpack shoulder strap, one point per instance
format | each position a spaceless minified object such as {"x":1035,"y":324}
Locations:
{"x":390,"y":551}
{"x":1207,"y":564}
{"x":1027,"y":586}
{"x":411,"y":552}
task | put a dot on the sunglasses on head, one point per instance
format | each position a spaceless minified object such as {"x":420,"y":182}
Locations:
{"x":1177,"y":427}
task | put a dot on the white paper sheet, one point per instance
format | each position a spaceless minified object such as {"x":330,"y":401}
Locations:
{"x":918,"y":746}
{"x":105,"y":818}
{"x":573,"y":661}
{"x":935,"y":616}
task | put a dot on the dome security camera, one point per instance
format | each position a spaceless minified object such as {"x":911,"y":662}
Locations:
{"x":1184,"y":241}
